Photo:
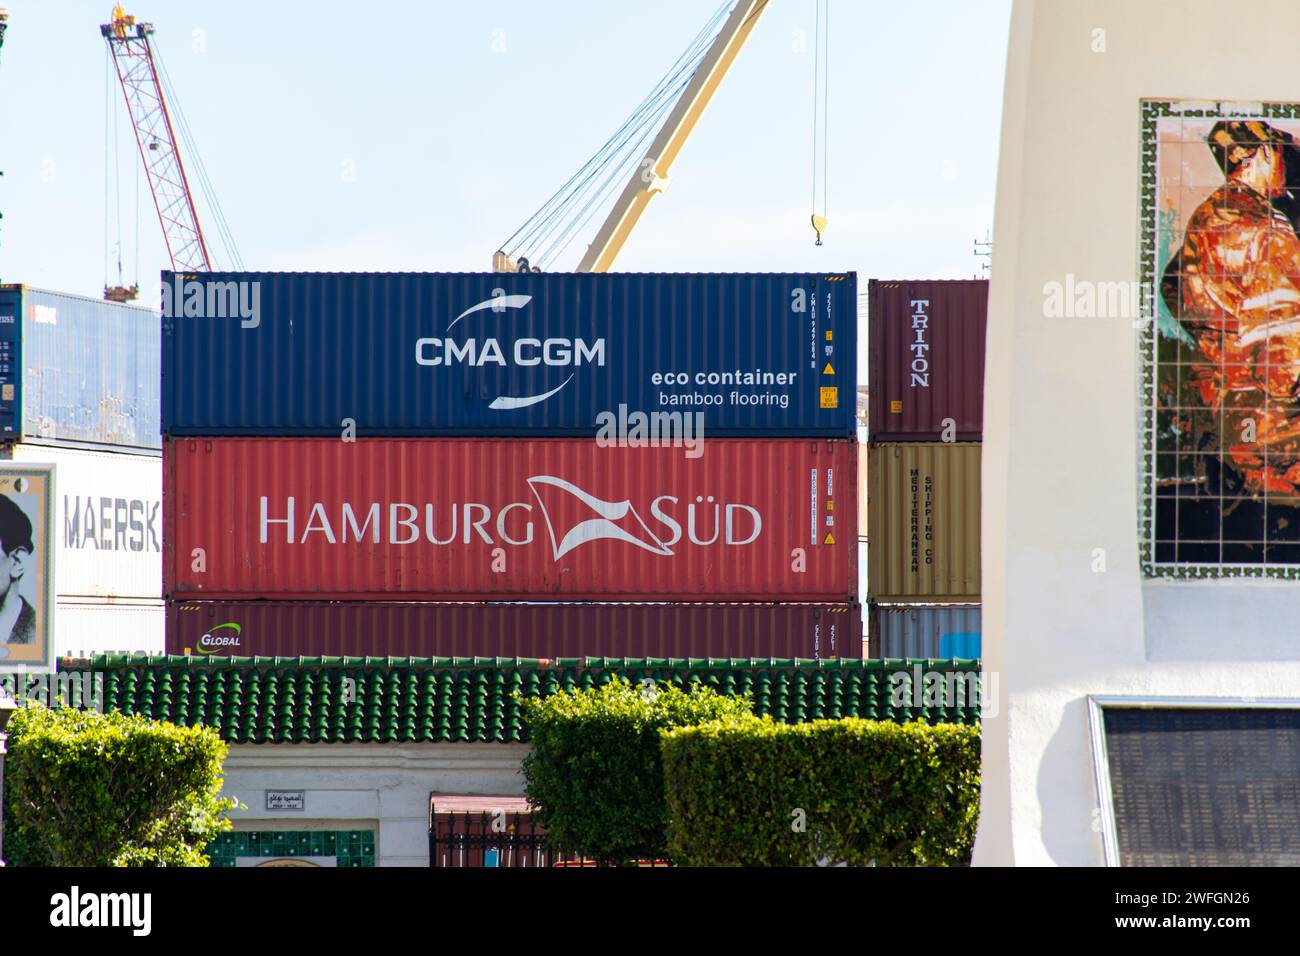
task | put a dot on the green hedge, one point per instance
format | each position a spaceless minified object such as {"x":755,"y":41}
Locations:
{"x":595,"y":773}
{"x":752,"y":792}
{"x":90,"y":789}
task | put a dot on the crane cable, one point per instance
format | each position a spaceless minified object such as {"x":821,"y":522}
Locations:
{"x":192,"y":153}
{"x":820,"y":105}
{"x":108,"y":113}
{"x":553,"y":226}
{"x":643,"y":116}
{"x":670,"y":95}
{"x":597,"y":201}
{"x":136,"y":257}
{"x":603,"y":157}
{"x":112,"y":180}
{"x":615,"y":157}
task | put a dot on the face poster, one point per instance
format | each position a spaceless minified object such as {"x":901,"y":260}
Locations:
{"x":1221,"y":264}
{"x":26,"y":564}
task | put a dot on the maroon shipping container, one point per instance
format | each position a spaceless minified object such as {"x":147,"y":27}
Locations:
{"x":358,"y":629}
{"x":926,"y":359}
{"x":516,"y":519}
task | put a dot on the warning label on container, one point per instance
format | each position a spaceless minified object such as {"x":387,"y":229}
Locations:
{"x":830,"y":397}
{"x":814,"y":505}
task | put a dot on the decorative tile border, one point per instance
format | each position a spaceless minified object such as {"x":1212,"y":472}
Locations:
{"x":348,"y":847}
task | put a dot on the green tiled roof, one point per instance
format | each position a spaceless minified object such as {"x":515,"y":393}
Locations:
{"x":400,"y":700}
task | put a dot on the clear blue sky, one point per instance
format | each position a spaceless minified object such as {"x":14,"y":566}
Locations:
{"x":454,"y":145}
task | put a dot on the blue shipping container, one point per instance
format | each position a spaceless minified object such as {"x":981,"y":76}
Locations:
{"x":965,"y":646}
{"x":518,"y":354}
{"x":77,"y":370}
{"x":924,"y":630}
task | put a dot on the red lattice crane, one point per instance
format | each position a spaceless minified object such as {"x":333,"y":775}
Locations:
{"x":133,"y":56}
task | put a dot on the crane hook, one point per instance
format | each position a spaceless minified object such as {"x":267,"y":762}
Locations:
{"x":819,"y":225}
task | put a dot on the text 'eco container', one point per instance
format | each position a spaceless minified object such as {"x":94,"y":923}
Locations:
{"x":923,"y":534}
{"x":520,"y":354}
{"x":77,"y":370}
{"x":551,"y":519}
{"x":108,"y":521}
{"x":926,"y":359}
{"x":927,"y":630}
{"x":359,"y":628}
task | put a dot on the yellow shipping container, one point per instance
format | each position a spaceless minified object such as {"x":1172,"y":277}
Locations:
{"x":923,"y":522}
{"x":864,"y":494}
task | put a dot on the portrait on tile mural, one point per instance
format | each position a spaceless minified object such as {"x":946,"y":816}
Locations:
{"x":1221,"y":261}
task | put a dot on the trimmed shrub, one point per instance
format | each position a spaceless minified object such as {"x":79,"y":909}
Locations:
{"x":752,"y":792}
{"x":90,"y":789}
{"x":595,"y":772}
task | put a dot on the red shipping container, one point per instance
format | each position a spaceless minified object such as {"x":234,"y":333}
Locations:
{"x":362,"y":628}
{"x":475,"y":519}
{"x":926,"y":359}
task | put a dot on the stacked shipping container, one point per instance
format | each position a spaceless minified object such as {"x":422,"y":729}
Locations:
{"x":533,"y":630}
{"x":79,"y":389}
{"x":921,"y":466}
{"x":391,"y":443}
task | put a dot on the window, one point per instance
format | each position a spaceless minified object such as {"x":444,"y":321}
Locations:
{"x":1197,"y":782}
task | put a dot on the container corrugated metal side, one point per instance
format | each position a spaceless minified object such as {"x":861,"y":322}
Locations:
{"x":898,"y":631}
{"x":492,"y":519}
{"x":357,"y":628}
{"x":926,"y":359}
{"x":107,"y":518}
{"x":923,"y":528}
{"x":99,"y":627}
{"x":521,"y":354}
{"x":74,"y":369}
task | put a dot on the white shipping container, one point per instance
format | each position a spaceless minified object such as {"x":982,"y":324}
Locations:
{"x":108,"y":521}
{"x":83,"y":627}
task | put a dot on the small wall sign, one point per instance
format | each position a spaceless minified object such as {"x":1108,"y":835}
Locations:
{"x":285,"y":799}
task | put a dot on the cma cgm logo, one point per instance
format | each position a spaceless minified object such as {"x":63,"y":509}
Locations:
{"x":223,"y":637}
{"x":571,"y":516}
{"x":522,"y":352}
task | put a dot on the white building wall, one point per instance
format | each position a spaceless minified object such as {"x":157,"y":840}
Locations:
{"x":1062,"y":412}
{"x":381,"y":787}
